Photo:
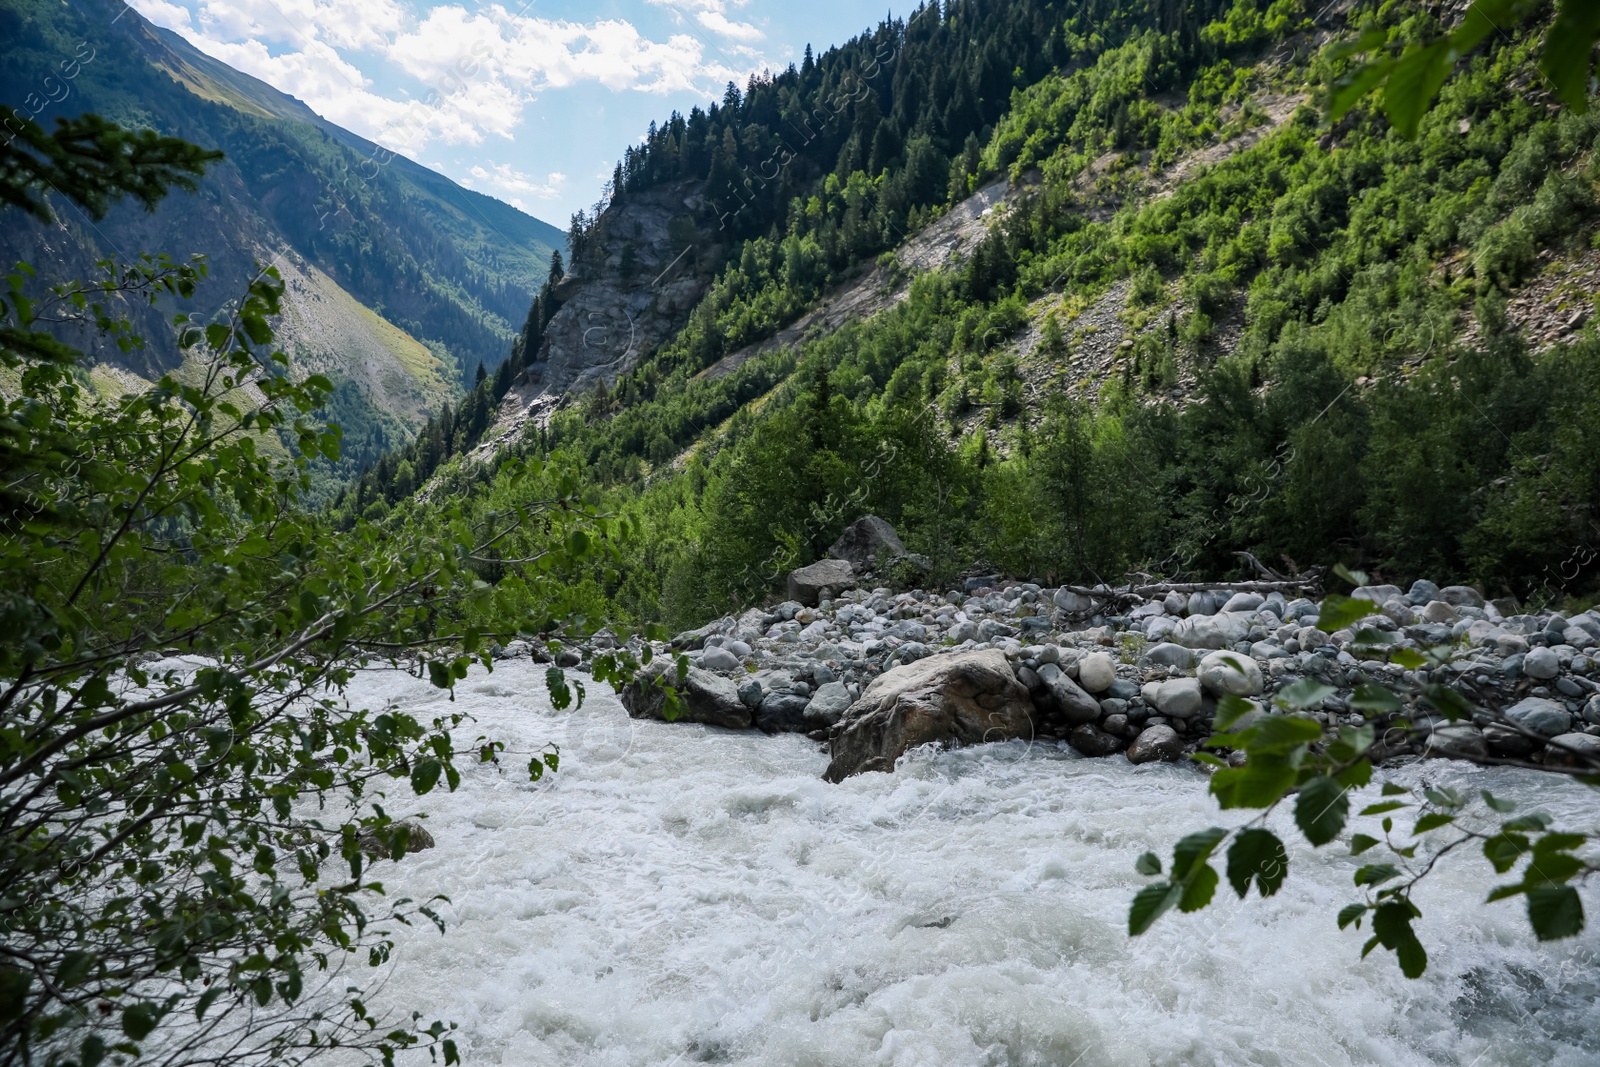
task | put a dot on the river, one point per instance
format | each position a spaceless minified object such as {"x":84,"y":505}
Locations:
{"x":678,"y":894}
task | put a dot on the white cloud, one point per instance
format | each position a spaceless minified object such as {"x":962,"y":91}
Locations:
{"x":172,"y":16}
{"x":508,"y":179}
{"x":713,"y":15}
{"x":475,"y":71}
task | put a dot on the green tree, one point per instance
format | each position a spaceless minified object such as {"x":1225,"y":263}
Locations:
{"x":186,"y":847}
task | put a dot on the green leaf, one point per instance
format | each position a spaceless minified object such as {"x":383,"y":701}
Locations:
{"x":1349,"y":89}
{"x":439,"y":674}
{"x":1376,"y":874}
{"x":1432,"y":821}
{"x":1321,"y":808}
{"x":138,"y":1020}
{"x":1412,"y":85}
{"x":1555,"y":912}
{"x":1390,"y":789}
{"x":1257,"y":854}
{"x":1148,"y":864}
{"x":1258,"y":784}
{"x":1359,"y":843}
{"x":1374,"y":698}
{"x":1504,"y":807}
{"x":1338,"y":612}
{"x":1198,"y":888}
{"x":1306,"y":693}
{"x":1383,"y":806}
{"x":425,"y":775}
{"x":1409,"y":658}
{"x":1351,"y":913}
{"x":578,"y":543}
{"x":1149,"y":904}
{"x":1391,"y":923}
{"x":1503,"y":850}
{"x":1569,"y":51}
{"x":1194,"y":848}
{"x":1230,"y":709}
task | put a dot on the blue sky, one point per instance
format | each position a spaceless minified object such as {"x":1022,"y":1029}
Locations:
{"x":530,"y":102}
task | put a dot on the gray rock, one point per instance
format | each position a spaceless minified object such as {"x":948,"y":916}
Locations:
{"x":1167,"y":654}
{"x":1461,"y":596}
{"x":1505,"y":743}
{"x":912,"y":651}
{"x":1375,"y":593}
{"x":703,"y":697}
{"x":1244,"y":602}
{"x":1299,"y":608}
{"x":1538,"y":715}
{"x":828,"y":705}
{"x":1456,"y":741}
{"x":1155,"y":743}
{"x":1073,"y":603}
{"x":750,"y":694}
{"x":808,"y":583}
{"x":1072,"y":702}
{"x":958,"y":698}
{"x":1096,"y":672}
{"x":1591,"y":711}
{"x":1175,"y":603}
{"x":1211,"y":631}
{"x":1122,"y":689}
{"x":1179,"y":698}
{"x":1202,"y":603}
{"x":1439,"y":611}
{"x":719,"y":659}
{"x":1093,"y":741}
{"x":783,"y":712}
{"x":1541,"y":663}
{"x":1573,"y":750}
{"x":867,"y":543}
{"x":1422,"y":591}
{"x":1229,"y":672}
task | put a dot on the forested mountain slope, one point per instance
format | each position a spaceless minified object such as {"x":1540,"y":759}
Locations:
{"x":401,"y":282}
{"x":1205,"y":322}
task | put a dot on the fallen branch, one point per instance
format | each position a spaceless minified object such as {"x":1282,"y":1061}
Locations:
{"x":1310,"y":581}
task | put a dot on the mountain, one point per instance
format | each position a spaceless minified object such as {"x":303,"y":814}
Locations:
{"x":1071,"y":291}
{"x":399,"y":282}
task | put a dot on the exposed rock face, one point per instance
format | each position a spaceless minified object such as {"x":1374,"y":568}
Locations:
{"x":867,"y":542}
{"x":807,"y":583}
{"x":965,"y":698}
{"x":652,"y":267}
{"x":702,"y":697}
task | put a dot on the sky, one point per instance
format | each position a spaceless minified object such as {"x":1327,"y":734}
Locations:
{"x":530,"y":101}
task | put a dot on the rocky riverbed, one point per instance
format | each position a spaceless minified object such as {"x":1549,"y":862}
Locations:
{"x":871,"y":671}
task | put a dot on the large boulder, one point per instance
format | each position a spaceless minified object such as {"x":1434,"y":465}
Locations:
{"x":782,"y":711}
{"x":961,"y":698}
{"x":1538,"y":715}
{"x":1075,"y":705}
{"x":1093,"y":741}
{"x":1211,"y":631}
{"x":868,"y":542}
{"x":807,"y":583}
{"x":1155,"y":743}
{"x":827,"y":706}
{"x":1096,"y":672}
{"x":1231,"y":673}
{"x":703,"y":697}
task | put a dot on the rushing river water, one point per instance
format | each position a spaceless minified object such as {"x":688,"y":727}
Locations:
{"x":679,"y":894}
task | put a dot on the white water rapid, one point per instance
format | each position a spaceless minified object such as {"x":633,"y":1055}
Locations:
{"x":678,"y":894}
